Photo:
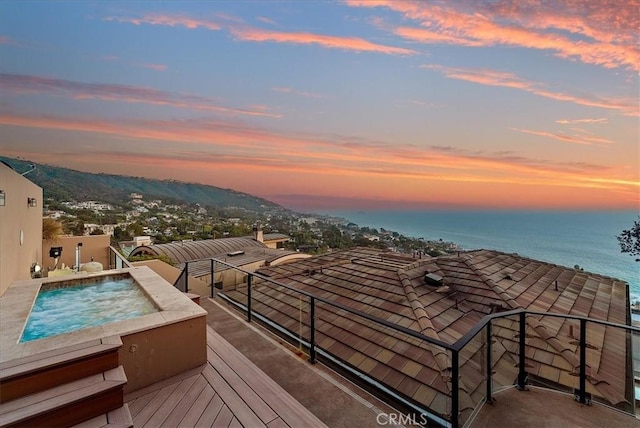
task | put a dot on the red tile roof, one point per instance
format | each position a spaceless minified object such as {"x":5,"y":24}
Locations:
{"x":392,"y":287}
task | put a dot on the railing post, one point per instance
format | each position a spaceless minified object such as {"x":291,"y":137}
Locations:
{"x":213,"y":279}
{"x":522,"y":373}
{"x":583,"y":361}
{"x":186,"y":277}
{"x":489,"y":393}
{"x":249,"y":277}
{"x":454,"y":389}
{"x":312,"y":338}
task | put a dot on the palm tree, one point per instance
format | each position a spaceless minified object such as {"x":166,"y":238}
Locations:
{"x":51,"y":229}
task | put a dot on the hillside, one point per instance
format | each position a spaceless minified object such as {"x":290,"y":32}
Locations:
{"x":68,"y":184}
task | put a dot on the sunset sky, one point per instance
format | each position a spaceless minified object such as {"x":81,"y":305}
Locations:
{"x":327,"y":105}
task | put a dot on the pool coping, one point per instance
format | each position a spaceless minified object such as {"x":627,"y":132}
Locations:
{"x":16,"y":303}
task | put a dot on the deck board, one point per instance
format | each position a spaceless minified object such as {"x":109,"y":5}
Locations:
{"x":211,"y":412}
{"x":170,"y":404}
{"x":185,"y":403}
{"x":199,"y":406}
{"x":154,"y":405}
{"x":229,"y":391}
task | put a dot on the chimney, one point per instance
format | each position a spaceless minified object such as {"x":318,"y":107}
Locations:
{"x":257,"y":234}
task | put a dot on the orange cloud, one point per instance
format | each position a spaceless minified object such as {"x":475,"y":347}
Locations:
{"x":21,"y":83}
{"x":607,"y":30}
{"x":244,"y":148}
{"x":302,"y":38}
{"x":628,"y":107}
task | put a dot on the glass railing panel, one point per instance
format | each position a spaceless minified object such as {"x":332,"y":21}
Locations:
{"x":232,"y":283}
{"x":413,"y":371}
{"x":552,"y":358}
{"x":504,"y":352}
{"x":601,"y":372}
{"x":289,"y":309}
{"x":117,"y":260}
{"x":609,"y":357}
{"x":473,"y":360}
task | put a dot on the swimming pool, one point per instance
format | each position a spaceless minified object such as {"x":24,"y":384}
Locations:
{"x":66,"y":308}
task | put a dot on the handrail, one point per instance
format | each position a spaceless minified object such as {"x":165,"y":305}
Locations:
{"x":466,"y":338}
{"x":357,"y":312}
{"x":455,"y":348}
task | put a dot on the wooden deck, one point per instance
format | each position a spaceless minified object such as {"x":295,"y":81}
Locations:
{"x":228,"y":391}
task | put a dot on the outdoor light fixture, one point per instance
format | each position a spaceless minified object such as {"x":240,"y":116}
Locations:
{"x":32,"y":202}
{"x":36,"y":271}
{"x":2,"y":198}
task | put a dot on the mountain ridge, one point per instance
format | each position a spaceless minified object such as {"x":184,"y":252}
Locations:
{"x":68,"y":184}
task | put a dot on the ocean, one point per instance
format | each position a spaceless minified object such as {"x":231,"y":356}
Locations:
{"x":567,"y":238}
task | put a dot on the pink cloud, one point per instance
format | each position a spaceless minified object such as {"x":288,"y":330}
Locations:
{"x":266,"y":20}
{"x":20,"y":83}
{"x":302,"y":38}
{"x":566,"y":138}
{"x":283,"y":89}
{"x":628,"y":106}
{"x":607,"y":30}
{"x":168,"y":20}
{"x":287,"y":90}
{"x":586,"y":121}
{"x":156,"y":67}
{"x":245,"y":33}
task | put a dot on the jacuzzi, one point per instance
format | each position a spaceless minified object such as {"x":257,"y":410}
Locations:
{"x":166,"y":339}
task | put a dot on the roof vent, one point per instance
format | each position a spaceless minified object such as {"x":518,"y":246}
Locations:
{"x":235,"y":253}
{"x":433,"y":279}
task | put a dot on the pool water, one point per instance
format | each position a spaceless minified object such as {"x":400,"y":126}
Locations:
{"x":62,"y":310}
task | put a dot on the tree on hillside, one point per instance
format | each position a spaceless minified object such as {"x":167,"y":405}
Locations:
{"x":629,"y":240}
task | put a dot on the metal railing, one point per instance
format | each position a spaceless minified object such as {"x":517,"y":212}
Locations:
{"x":476,"y":343}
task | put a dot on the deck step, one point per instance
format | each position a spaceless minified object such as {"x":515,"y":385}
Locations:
{"x":118,"y":418}
{"x":68,"y":404}
{"x":39,"y":372}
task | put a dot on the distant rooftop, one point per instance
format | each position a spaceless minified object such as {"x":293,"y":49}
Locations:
{"x":241,"y":250}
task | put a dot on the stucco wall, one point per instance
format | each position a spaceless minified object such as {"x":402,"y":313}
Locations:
{"x":96,"y":246}
{"x":20,"y":227}
{"x":154,"y":355}
{"x":171,"y":274}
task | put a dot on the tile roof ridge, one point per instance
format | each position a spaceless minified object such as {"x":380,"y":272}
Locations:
{"x":504,"y":295}
{"x":426,"y":326}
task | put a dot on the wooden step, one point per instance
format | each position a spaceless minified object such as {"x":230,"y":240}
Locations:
{"x":39,"y":372}
{"x":68,"y":404}
{"x":118,"y":418}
